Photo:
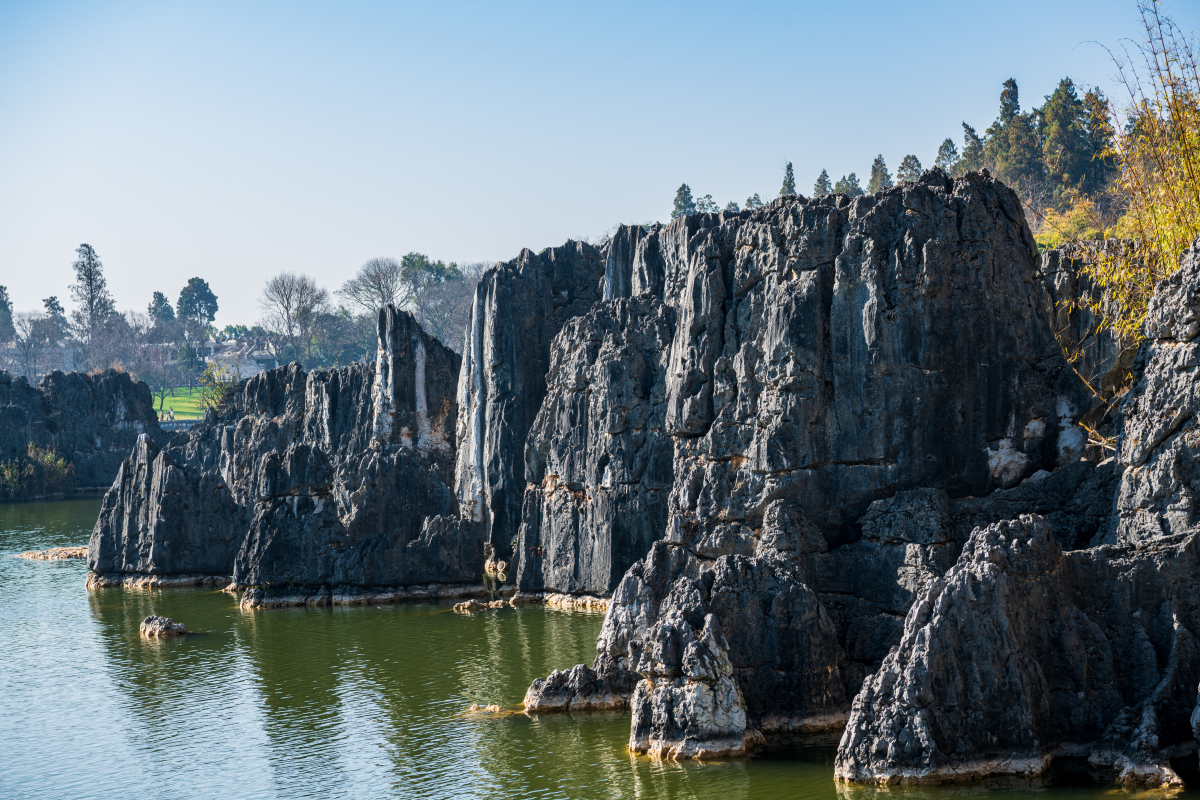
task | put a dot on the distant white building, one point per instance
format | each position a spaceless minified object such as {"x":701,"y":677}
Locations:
{"x":243,"y":357}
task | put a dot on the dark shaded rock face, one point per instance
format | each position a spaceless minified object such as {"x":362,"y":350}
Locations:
{"x":854,"y":393}
{"x":1099,"y":357}
{"x":326,"y":478}
{"x":518,"y":309}
{"x":1022,"y":653}
{"x":91,"y":420}
{"x":1160,"y":443}
{"x":598,"y":461}
{"x":826,"y":352}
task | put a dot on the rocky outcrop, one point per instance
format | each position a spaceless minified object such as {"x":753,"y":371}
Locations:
{"x":304,"y":482}
{"x":849,"y":388}
{"x":519,"y":307}
{"x":1159,"y":450}
{"x":598,"y":460}
{"x":1100,"y":358}
{"x":1023,"y":653}
{"x":91,"y":420}
{"x":828,"y":352}
{"x":153,"y":627}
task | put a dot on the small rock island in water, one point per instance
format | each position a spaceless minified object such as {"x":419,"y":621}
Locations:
{"x":820,"y":461}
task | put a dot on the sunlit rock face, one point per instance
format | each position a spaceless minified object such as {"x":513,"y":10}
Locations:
{"x":339,"y":477}
{"x":847,"y":389}
{"x":1160,"y":443}
{"x":518,"y":308}
{"x":829,"y":352}
{"x":1023,"y":653}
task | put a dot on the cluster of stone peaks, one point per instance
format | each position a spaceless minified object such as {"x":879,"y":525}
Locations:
{"x":822,"y":456}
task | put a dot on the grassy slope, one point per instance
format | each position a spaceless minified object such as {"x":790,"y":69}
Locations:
{"x":186,"y":403}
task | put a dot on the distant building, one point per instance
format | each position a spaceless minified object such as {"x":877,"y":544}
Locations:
{"x":245,"y":357}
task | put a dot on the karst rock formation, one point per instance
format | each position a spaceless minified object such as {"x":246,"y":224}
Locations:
{"x":90,"y":419}
{"x":823,"y":457}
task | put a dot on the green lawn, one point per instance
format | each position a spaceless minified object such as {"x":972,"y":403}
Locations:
{"x":186,"y":403}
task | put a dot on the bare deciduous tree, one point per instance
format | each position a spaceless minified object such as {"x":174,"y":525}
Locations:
{"x":291,"y":304}
{"x":378,"y":282}
{"x":31,"y":344}
{"x":443,"y":308}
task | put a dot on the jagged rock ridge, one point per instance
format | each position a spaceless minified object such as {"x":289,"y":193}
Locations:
{"x":92,"y":420}
{"x":305,"y":481}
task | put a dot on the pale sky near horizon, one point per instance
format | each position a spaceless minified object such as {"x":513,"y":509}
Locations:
{"x":231,"y":141}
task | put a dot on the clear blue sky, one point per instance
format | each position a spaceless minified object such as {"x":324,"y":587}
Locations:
{"x":232,"y":140}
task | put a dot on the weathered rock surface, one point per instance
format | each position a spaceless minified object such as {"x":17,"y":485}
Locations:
{"x":154,"y":627}
{"x":92,"y":420}
{"x":304,"y":481}
{"x":1160,"y":442}
{"x":1022,"y":653}
{"x":598,"y":461}
{"x":1101,"y":358}
{"x":849,"y":388}
{"x":828,"y":352}
{"x":518,"y":309}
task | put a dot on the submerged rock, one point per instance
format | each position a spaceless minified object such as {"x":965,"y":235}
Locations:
{"x":160,"y":627}
{"x":54,"y":554}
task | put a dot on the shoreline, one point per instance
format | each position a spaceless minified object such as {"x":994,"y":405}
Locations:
{"x":253,"y":597}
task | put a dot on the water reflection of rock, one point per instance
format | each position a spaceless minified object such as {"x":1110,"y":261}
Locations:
{"x":175,"y":692}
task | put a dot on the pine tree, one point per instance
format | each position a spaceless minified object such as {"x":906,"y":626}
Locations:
{"x":684,"y":204}
{"x":1065,"y":146}
{"x":947,"y":157}
{"x":732,"y":206}
{"x":7,"y":331}
{"x":753,"y":202}
{"x":848,"y":185}
{"x":1100,"y":138}
{"x":90,"y":290}
{"x":160,"y":309}
{"x":1010,"y":103}
{"x":910,"y":170}
{"x":197,"y":302}
{"x":56,"y":315}
{"x":1011,"y":145}
{"x":972,"y":154}
{"x":822,"y":187}
{"x":789,"y":181}
{"x":880,"y":178}
{"x":706,"y":205}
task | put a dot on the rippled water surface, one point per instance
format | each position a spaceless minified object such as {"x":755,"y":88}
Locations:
{"x":330,"y":703}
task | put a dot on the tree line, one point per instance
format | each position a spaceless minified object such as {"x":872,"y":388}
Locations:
{"x":1053,"y":155}
{"x":172,"y":344}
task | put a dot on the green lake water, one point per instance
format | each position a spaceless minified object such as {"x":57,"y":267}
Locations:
{"x":329,"y":703}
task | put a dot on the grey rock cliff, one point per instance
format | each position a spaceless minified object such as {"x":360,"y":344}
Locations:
{"x":519,"y":307}
{"x":1160,"y":442}
{"x":828,"y":352}
{"x":305,"y":480}
{"x":1023,"y":653}
{"x":92,"y":420}
{"x":849,"y":389}
{"x":598,"y":460}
